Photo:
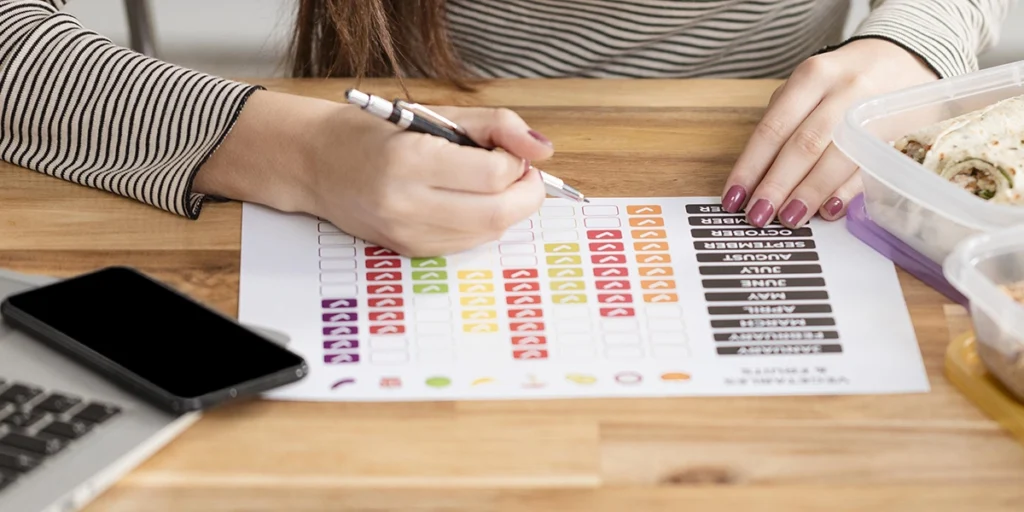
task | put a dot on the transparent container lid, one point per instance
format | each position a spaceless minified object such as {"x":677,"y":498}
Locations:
{"x":977,"y":267}
{"x":868,"y":128}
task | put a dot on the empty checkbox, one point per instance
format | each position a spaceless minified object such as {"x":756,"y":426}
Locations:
{"x":433,"y":328}
{"x":519,"y":261}
{"x":575,"y":353}
{"x":338,"y":239}
{"x":601,"y":210}
{"x":602,"y":222}
{"x":628,"y":338}
{"x":560,"y":236}
{"x":572,"y":311}
{"x":575,"y":339}
{"x":663,"y":311}
{"x":327,"y":227}
{"x":389,"y":357}
{"x":434,"y":342}
{"x":389,"y":343}
{"x":558,"y":224}
{"x":668,"y":338}
{"x":571,"y":326}
{"x":556,"y":211}
{"x":433,"y":315}
{"x":517,"y":236}
{"x":337,"y":264}
{"x":432,"y":302}
{"x":338,"y":252}
{"x":619,"y":325}
{"x":338,"y":277}
{"x":338,"y":290}
{"x":513,"y":248}
{"x":666,"y":325}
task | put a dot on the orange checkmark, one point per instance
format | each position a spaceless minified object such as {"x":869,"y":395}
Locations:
{"x":646,"y":222}
{"x":643,"y":209}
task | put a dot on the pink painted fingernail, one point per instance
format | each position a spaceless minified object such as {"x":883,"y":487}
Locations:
{"x":760,"y":213}
{"x":542,"y":139}
{"x":834,"y":206}
{"x":793,"y":213}
{"x":526,"y":168}
{"x":734,"y":199}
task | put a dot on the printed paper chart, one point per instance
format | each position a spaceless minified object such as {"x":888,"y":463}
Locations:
{"x":621,"y":297}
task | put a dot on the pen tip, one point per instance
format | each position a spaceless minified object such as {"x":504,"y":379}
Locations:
{"x":585,"y":200}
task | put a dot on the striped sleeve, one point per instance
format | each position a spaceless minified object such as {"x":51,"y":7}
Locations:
{"x":947,"y":34}
{"x":82,"y":109}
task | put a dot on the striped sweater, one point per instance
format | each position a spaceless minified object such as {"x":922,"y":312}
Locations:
{"x":79,"y":108}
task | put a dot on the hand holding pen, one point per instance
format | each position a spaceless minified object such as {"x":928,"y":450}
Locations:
{"x":417,"y":118}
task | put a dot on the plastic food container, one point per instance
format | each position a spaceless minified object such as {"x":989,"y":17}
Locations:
{"x":924,"y":211}
{"x":977,"y":267}
{"x":929,"y":272}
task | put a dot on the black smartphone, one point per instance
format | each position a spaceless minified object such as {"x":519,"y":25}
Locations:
{"x":152,"y":340}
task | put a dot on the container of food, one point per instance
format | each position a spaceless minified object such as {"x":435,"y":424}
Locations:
{"x":989,"y":270}
{"x":929,"y":213}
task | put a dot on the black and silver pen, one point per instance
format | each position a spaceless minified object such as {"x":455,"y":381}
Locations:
{"x":417,"y":118}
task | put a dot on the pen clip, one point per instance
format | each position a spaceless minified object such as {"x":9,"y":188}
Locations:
{"x":430,"y":114}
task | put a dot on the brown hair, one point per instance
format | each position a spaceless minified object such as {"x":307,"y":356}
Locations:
{"x":375,"y":39}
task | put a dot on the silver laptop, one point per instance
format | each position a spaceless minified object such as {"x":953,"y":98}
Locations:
{"x":66,"y":434}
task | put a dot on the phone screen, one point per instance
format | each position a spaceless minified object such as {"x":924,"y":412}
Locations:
{"x":153,"y":332}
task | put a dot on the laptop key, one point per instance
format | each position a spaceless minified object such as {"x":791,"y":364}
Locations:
{"x":69,"y":429}
{"x":20,"y":394}
{"x":26,"y":420}
{"x":97,"y":412}
{"x":40,"y":445}
{"x":58,"y":403}
{"x":17,"y":461}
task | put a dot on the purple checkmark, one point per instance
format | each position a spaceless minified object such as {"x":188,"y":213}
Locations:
{"x":340,"y":317}
{"x":338,"y":303}
{"x":341,"y":344}
{"x":341,"y":358}
{"x":341,"y":330}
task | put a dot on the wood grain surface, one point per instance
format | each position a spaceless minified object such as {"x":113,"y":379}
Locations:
{"x":932,"y":451}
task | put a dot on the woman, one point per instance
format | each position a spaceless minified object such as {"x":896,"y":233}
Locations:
{"x":79,"y":108}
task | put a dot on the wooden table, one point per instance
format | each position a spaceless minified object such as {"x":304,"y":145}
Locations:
{"x":931,"y":451}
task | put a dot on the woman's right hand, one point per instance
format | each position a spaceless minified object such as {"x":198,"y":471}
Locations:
{"x":416,"y":194}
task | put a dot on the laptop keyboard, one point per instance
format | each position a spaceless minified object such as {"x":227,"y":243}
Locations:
{"x":37,"y":423}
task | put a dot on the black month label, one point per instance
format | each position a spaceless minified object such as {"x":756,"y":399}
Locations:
{"x":772,"y":309}
{"x":759,"y":270}
{"x":773,"y":323}
{"x":751,"y":233}
{"x":780,"y":350}
{"x":755,"y":245}
{"x":725,"y":221}
{"x":756,"y":257}
{"x":749,"y":337}
{"x":771,"y":282}
{"x":772,"y":296}
{"x":706,"y":209}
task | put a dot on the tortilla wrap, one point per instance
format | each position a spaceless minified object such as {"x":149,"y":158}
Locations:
{"x":984,"y":154}
{"x":916,"y":145}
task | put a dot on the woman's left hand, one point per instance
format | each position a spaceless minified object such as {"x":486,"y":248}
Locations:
{"x":790,"y":168}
